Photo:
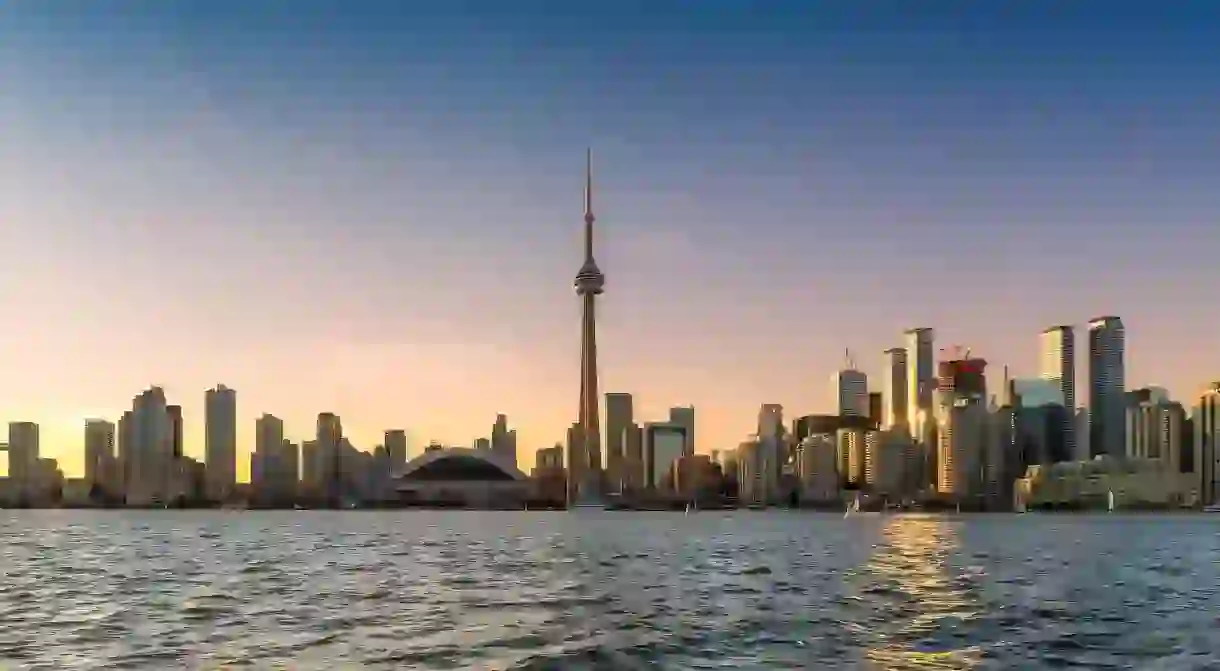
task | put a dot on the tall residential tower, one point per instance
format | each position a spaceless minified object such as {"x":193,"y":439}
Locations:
{"x":1107,"y":387}
{"x":894,"y":388}
{"x":1057,"y":365}
{"x":584,"y":477}
{"x":921,"y":378}
{"x":220,"y":442}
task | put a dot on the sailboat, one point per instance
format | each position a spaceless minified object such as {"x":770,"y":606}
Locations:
{"x":854,"y":508}
{"x":1110,"y":501}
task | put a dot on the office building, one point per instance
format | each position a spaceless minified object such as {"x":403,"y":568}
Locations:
{"x":963,"y":428}
{"x":633,"y":457}
{"x":585,"y":474}
{"x":220,"y":442}
{"x":664,"y":444}
{"x":772,"y":446}
{"x":886,"y":456}
{"x":1155,"y":427}
{"x":1206,"y":422}
{"x":1107,"y":386}
{"x":894,"y":388}
{"x":126,"y":445}
{"x":876,"y":409}
{"x":23,"y":458}
{"x":920,"y":378}
{"x":152,"y":464}
{"x":504,"y":440}
{"x":620,"y":413}
{"x":100,"y":462}
{"x":1057,"y":365}
{"x":684,"y":416}
{"x":549,"y":459}
{"x":851,"y":391}
{"x":852,"y":455}
{"x":817,"y":468}
{"x":396,"y":449}
{"x":266,"y":466}
{"x":329,"y":438}
{"x":175,"y":430}
{"x":311,"y":478}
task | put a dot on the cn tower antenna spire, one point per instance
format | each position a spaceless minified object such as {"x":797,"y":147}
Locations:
{"x":589,"y":204}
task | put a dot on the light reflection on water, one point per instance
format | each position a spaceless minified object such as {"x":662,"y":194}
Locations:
{"x":912,"y":561}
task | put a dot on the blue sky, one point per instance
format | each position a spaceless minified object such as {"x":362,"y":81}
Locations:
{"x":374,"y":208}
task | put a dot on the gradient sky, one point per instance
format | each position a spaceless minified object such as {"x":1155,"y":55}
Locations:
{"x":374,"y":208}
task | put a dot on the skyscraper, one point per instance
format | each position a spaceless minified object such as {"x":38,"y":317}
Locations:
{"x":23,"y":455}
{"x":851,"y":390}
{"x":265,"y":466}
{"x":1107,"y":386}
{"x":175,"y":428}
{"x":220,"y":442}
{"x":1205,"y":421}
{"x":684,"y":416}
{"x":894,"y":388}
{"x":153,"y":437}
{"x":504,"y":440}
{"x":921,"y":378}
{"x":396,"y":449}
{"x":1058,"y":365}
{"x":584,"y":479}
{"x":99,"y":454}
{"x":620,"y":413}
{"x":328,"y":453}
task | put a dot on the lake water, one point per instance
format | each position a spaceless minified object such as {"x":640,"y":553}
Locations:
{"x":606,"y":591}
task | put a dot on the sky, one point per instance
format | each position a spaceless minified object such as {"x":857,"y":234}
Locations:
{"x":375,"y":208}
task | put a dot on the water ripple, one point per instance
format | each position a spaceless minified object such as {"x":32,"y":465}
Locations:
{"x":534,"y":592}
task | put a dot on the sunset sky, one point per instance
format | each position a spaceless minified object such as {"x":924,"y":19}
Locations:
{"x":374,"y":208}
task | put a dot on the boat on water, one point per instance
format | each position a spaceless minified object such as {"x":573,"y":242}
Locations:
{"x":854,"y":509}
{"x":1213,"y":508}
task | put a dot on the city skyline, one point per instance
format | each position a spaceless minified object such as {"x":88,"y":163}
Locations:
{"x":219,"y":212}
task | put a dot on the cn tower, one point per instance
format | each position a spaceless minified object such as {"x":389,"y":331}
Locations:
{"x":584,"y":464}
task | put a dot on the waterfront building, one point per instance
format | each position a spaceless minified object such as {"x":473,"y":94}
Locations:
{"x":633,"y":461}
{"x":220,"y":442}
{"x":684,"y":416}
{"x":152,"y":463}
{"x":1057,"y":365}
{"x":328,"y":435}
{"x":620,"y":413}
{"x":817,"y":469}
{"x":852,"y":453}
{"x":664,"y":444}
{"x":1107,"y":386}
{"x":23,"y":449}
{"x":962,"y":423}
{"x":894,"y":389}
{"x":920,"y":378}
{"x":1135,"y":483}
{"x":503,"y":439}
{"x":751,"y":480}
{"x":1155,"y":428}
{"x":460,"y":477}
{"x":851,"y":390}
{"x":549,"y":459}
{"x":1206,"y":423}
{"x":695,"y":478}
{"x":886,"y":458}
{"x":396,"y":449}
{"x":101,"y":466}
